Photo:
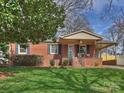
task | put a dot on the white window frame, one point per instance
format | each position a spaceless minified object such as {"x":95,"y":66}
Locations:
{"x":19,"y":52}
{"x":83,"y":45}
{"x":51,"y":52}
{"x":72,"y":45}
{"x":1,"y":53}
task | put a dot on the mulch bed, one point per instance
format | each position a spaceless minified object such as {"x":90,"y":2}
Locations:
{"x":4,"y":75}
{"x":110,"y":62}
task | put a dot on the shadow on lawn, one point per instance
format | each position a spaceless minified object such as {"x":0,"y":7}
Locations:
{"x":67,"y":80}
{"x":76,"y":82}
{"x":85,"y":81}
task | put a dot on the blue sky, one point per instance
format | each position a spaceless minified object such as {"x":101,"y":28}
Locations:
{"x":97,"y":23}
{"x":94,"y":16}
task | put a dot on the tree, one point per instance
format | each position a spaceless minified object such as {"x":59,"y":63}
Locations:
{"x":119,"y":22}
{"x":74,"y":5}
{"x":116,"y":31}
{"x":116,"y":34}
{"x":35,"y":20}
{"x":74,"y":23}
{"x":114,"y":13}
{"x":78,"y":23}
{"x":24,"y":20}
{"x":4,"y":49}
{"x":73,"y":20}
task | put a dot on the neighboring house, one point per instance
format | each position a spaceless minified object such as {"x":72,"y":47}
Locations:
{"x":81,"y":48}
{"x":107,"y":57}
{"x":120,"y":59}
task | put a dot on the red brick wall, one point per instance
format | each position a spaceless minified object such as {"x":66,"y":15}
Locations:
{"x":92,"y":50}
{"x":86,"y":62}
{"x":64,"y":51}
{"x":91,"y":62}
{"x":12,"y":49}
{"x":39,"y":49}
{"x":42,"y":49}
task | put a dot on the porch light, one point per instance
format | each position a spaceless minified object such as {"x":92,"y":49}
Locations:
{"x":81,"y":42}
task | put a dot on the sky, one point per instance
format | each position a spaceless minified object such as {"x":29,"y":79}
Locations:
{"x":95,"y":16}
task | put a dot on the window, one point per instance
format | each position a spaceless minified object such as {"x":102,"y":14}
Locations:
{"x":53,"y":49}
{"x":22,"y":49}
{"x":83,"y":49}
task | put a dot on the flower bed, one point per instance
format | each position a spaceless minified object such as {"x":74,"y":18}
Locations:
{"x":6,"y":74}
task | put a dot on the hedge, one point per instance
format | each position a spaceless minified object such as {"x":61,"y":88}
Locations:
{"x":26,"y":60}
{"x":52,"y":62}
{"x":65,"y":63}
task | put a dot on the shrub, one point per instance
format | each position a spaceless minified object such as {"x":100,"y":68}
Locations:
{"x":65,"y":63}
{"x":52,"y":62}
{"x":26,"y":60}
{"x":97,"y":63}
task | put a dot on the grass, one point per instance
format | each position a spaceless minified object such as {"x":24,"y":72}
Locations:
{"x":62,"y":80}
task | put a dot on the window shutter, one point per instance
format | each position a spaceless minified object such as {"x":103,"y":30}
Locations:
{"x":59,"y":49}
{"x":88,"y":49}
{"x":77,"y":50}
{"x":48,"y":48}
{"x":16,"y":50}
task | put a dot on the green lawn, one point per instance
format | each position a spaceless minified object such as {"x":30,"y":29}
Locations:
{"x":62,"y":80}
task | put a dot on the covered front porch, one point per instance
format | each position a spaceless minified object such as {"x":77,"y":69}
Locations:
{"x":82,"y":48}
{"x":79,"y":49}
{"x":80,"y":53}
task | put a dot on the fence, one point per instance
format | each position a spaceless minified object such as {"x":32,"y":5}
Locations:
{"x":120,"y":60}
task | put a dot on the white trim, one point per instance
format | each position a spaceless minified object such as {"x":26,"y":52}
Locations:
{"x":51,"y":52}
{"x":22,"y":52}
{"x":85,"y":31}
{"x":72,"y":50}
{"x":70,"y":44}
{"x":83,"y":45}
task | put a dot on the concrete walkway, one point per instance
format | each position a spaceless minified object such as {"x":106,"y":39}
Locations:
{"x":115,"y":67}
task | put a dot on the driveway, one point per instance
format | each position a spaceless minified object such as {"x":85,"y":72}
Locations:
{"x":112,"y":66}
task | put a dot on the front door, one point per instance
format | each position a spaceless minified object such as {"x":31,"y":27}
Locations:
{"x":70,"y":53}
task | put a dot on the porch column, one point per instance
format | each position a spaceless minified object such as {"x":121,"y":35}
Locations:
{"x":115,"y":52}
{"x":92,"y":51}
{"x":76,"y":49}
{"x":64,"y":51}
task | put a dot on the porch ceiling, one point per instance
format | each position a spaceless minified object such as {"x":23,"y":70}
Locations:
{"x":74,"y":41}
{"x":104,"y":44}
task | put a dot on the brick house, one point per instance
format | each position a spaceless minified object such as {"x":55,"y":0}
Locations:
{"x":81,"y":48}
